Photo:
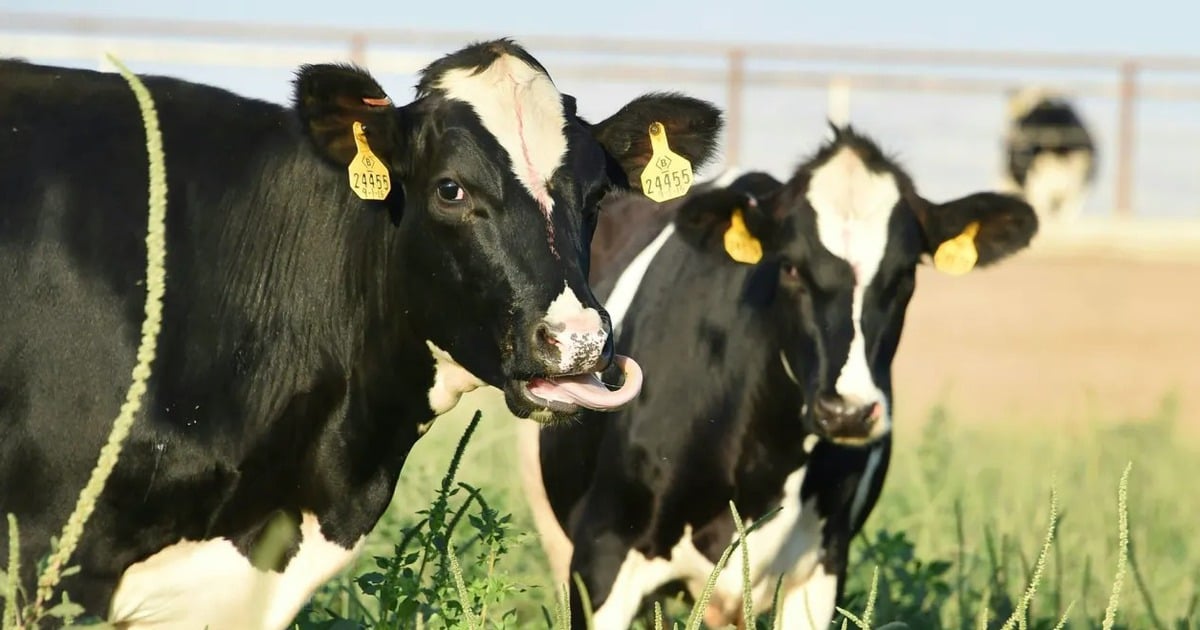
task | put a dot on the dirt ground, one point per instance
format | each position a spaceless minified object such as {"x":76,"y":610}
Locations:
{"x":1052,"y":339}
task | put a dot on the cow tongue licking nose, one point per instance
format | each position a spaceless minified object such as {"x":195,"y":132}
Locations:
{"x":587,"y":390}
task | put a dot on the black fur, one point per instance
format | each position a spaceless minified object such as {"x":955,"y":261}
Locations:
{"x":292,"y":368}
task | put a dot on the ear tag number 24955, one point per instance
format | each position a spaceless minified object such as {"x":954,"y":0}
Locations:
{"x":667,"y":175}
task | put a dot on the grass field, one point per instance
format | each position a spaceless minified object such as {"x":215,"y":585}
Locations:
{"x":1042,"y":376}
{"x":1045,"y":373}
{"x":964,"y":514}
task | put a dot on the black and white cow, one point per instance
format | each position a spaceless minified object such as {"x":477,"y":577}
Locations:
{"x":767,"y":382}
{"x":307,"y":333}
{"x":1050,"y":155}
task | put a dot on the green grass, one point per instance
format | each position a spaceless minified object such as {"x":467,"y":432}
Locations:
{"x":963,"y":517}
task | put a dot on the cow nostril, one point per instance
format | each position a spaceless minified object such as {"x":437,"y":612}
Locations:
{"x":542,"y":335}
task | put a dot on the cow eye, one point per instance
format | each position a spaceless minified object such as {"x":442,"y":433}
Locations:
{"x":448,"y":190}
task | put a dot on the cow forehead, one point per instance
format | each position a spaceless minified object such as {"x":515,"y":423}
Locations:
{"x":853,"y":205}
{"x":519,"y":105}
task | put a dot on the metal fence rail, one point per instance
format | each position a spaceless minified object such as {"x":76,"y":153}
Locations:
{"x":736,"y":68}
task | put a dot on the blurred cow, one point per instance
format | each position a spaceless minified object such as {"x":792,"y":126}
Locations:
{"x":1051,"y":157}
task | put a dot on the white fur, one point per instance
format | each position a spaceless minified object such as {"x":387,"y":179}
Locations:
{"x":621,"y":298}
{"x":1056,"y":186}
{"x":519,"y":105}
{"x":450,"y":381}
{"x":577,"y":331}
{"x":810,"y":605}
{"x":789,"y":545}
{"x":853,"y":207}
{"x":194,"y":584}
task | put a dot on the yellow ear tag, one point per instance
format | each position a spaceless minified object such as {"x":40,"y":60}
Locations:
{"x":740,"y":244}
{"x":369,"y":178}
{"x":667,"y":175}
{"x":958,"y":255}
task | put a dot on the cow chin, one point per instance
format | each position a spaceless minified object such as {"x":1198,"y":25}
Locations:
{"x":523,"y":404}
{"x":858,"y":438}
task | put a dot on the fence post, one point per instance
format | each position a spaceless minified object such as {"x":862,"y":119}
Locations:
{"x":1126,"y":113}
{"x":358,"y":49}
{"x":838,"y":108}
{"x":733,"y":111}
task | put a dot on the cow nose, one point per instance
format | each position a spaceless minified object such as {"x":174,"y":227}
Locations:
{"x":563,"y":349}
{"x":840,"y":418}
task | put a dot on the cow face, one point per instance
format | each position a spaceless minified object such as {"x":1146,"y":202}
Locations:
{"x":840,"y":244}
{"x":497,"y":185}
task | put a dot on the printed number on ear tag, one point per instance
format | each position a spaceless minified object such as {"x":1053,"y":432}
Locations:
{"x":369,"y":178}
{"x":958,"y":255}
{"x":667,"y":175}
{"x":740,"y":244}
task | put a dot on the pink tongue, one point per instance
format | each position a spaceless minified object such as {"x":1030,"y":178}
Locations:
{"x":586,"y":390}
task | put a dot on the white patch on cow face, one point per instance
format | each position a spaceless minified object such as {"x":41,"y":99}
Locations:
{"x":788,"y":545}
{"x":577,"y":332}
{"x":519,"y":105}
{"x":853,"y":208}
{"x":208,"y":583}
{"x":1056,"y":186}
{"x":450,"y":381}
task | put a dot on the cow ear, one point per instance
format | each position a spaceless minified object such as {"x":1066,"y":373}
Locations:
{"x":330,"y":98}
{"x":692,"y":127}
{"x":728,"y":223}
{"x":976,"y":231}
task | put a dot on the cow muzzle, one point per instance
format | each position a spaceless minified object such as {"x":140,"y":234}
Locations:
{"x":572,"y":348}
{"x":850,"y":422}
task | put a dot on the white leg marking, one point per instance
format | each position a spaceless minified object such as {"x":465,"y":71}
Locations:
{"x":627,"y":284}
{"x":194,"y":584}
{"x":450,"y":381}
{"x":788,"y":545}
{"x":521,"y":107}
{"x":639,"y":576}
{"x":864,"y":484}
{"x":811,"y":605}
{"x":576,"y":331}
{"x":554,"y":540}
{"x":853,"y":207}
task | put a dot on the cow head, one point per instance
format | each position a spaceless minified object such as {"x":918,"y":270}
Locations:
{"x":834,"y":253}
{"x":496,"y":185}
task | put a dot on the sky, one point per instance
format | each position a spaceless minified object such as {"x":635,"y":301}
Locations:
{"x":1140,"y":27}
{"x":950,"y":143}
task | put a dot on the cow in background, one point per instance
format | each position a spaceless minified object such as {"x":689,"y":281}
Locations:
{"x":1050,"y":155}
{"x":767,"y":315}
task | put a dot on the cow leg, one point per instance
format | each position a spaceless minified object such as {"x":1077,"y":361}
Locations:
{"x":617,"y":578}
